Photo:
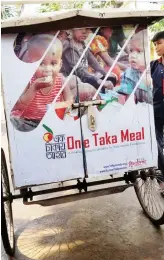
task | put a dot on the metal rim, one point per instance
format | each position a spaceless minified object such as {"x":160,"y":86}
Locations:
{"x":150,"y":196}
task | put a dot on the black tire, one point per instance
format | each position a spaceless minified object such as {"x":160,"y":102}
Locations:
{"x":154,"y":212}
{"x":150,"y":181}
{"x":7,"y":227}
{"x":161,"y":159}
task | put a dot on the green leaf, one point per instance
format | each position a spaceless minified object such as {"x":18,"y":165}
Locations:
{"x":47,"y":129}
{"x":159,"y":26}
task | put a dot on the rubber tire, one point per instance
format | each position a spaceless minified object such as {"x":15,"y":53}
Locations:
{"x":154,"y":221}
{"x":4,"y":233}
{"x":161,"y":158}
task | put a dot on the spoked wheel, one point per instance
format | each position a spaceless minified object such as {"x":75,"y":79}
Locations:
{"x":148,"y":191}
{"x":7,"y":227}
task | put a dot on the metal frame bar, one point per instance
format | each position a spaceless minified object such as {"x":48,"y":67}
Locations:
{"x":79,"y":186}
{"x":80,"y":196}
{"x":27,"y":193}
{"x":129,"y":179}
{"x":82,"y":189}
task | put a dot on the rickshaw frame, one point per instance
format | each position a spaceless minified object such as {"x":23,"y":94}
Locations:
{"x":81,"y":18}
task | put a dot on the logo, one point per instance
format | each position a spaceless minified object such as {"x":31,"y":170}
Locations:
{"x":49,"y":135}
{"x":136,"y":163}
{"x":55,"y":146}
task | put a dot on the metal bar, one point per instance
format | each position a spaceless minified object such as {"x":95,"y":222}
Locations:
{"x":94,"y":183}
{"x":70,"y":187}
{"x":80,"y":196}
{"x":75,"y":186}
{"x":65,"y":104}
{"x":89,"y":103}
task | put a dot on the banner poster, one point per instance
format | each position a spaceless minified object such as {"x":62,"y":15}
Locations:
{"x":44,"y":74}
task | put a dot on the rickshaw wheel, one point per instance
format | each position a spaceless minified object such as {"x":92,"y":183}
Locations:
{"x":148,"y":191}
{"x":7,"y":227}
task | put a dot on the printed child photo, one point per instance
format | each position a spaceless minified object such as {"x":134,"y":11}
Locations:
{"x":79,"y":65}
{"x":46,"y":84}
{"x":137,"y":65}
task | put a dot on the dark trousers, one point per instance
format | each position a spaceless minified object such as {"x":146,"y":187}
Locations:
{"x":159,"y":128}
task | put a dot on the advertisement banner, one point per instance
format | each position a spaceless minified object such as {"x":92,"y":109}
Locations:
{"x":44,"y":74}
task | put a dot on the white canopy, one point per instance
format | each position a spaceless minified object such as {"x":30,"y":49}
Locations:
{"x":110,"y":14}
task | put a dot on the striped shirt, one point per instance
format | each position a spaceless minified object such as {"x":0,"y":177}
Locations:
{"x":38,"y":107}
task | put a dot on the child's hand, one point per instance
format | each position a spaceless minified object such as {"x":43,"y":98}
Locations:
{"x":147,"y":80}
{"x":108,"y":85}
{"x":122,"y":99}
{"x":43,"y":82}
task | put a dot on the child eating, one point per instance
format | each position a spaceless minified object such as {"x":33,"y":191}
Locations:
{"x":44,"y":85}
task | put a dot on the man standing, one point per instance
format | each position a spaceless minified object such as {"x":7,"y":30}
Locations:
{"x":157,"y":73}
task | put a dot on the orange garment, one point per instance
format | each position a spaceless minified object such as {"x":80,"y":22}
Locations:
{"x":100,"y":44}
